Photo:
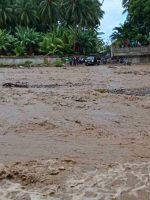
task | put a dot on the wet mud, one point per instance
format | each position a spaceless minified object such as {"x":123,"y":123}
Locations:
{"x":79,"y":133}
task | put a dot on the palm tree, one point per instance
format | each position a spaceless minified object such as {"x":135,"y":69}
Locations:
{"x":118,"y":33}
{"x":96,"y":13}
{"x":48,"y":12}
{"x":124,"y":31}
{"x":85,"y":13}
{"x":125,"y":4}
{"x":89,"y":41}
{"x":6,"y":13}
{"x":26,"y":12}
{"x":80,"y":14}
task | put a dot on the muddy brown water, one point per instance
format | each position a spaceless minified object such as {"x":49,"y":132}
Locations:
{"x":101,"y":138}
{"x":134,"y":91}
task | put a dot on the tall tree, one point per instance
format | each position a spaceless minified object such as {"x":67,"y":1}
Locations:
{"x":48,"y":12}
{"x":79,"y":14}
{"x":85,"y":13}
{"x":25,"y":11}
{"x":137,"y":24}
{"x":139,"y":15}
{"x":6,"y":13}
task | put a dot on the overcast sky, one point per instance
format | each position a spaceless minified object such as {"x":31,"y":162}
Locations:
{"x":113,"y":16}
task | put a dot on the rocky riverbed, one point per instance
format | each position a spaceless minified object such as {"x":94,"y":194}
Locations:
{"x":75,"y":133}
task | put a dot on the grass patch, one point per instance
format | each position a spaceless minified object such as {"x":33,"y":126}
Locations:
{"x":28,"y":63}
{"x":58,"y":63}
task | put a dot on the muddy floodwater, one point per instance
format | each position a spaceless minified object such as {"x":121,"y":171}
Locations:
{"x":75,"y":133}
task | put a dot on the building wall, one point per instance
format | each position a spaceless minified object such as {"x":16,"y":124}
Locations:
{"x":133,"y":55}
{"x":36,"y":60}
{"x":139,"y":59}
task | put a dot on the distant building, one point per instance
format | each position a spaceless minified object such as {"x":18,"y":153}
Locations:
{"x":132,"y":54}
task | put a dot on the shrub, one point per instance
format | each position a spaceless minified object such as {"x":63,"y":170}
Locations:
{"x":51,"y":45}
{"x":28,"y":63}
{"x":27,"y":40}
{"x":6,"y":42}
{"x":19,"y":50}
{"x":58,"y":63}
{"x":57,"y":42}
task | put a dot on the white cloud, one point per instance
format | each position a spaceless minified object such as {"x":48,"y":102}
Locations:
{"x":113,"y":16}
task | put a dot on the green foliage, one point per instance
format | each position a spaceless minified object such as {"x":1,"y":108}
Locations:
{"x":26,"y":12}
{"x":6,"y":41}
{"x":137,"y":24}
{"x":43,"y":15}
{"x":85,"y":13}
{"x":27,"y":40}
{"x":48,"y":12}
{"x":51,"y":44}
{"x":58,"y":63}
{"x":19,"y":50}
{"x":58,"y":42}
{"x":6,"y":13}
{"x":89,"y":41}
{"x":139,"y":15}
{"x":50,"y":27}
{"x":28,"y":63}
{"x":61,"y":41}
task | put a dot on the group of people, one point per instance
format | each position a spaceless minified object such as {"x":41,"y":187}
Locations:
{"x":133,"y":43}
{"x":74,"y":60}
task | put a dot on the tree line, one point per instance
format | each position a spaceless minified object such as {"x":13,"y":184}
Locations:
{"x":49,"y":26}
{"x":136,"y":28}
{"x":43,"y":15}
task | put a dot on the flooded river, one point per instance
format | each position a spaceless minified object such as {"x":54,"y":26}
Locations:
{"x":75,"y":133}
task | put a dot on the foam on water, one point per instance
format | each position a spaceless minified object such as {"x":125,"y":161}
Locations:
{"x":14,"y":191}
{"x":127,"y":181}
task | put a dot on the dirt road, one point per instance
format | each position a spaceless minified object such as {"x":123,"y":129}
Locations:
{"x":80,"y":133}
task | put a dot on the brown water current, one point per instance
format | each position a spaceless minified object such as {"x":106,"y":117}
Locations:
{"x":75,"y":133}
